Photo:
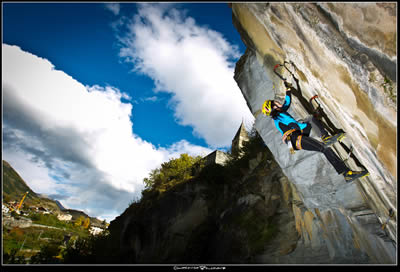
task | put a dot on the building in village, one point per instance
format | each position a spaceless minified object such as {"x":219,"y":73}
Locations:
{"x":5,"y":209}
{"x":95,"y":230}
{"x":64,"y":217}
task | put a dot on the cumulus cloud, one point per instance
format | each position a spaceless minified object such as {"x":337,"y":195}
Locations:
{"x":191,"y":62}
{"x":74,"y":140}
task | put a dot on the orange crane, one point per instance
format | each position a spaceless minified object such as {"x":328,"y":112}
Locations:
{"x":22,"y":200}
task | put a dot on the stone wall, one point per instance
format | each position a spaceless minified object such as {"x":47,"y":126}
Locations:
{"x":216,"y":157}
{"x":11,"y":222}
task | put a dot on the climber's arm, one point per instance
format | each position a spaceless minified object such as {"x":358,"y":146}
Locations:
{"x":288,"y":97}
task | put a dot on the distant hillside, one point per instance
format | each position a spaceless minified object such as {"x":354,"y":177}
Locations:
{"x":14,"y":187}
{"x":60,"y":205}
{"x":76,"y":214}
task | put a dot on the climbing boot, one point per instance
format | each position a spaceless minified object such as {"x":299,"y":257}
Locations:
{"x":349,"y":176}
{"x":330,"y":140}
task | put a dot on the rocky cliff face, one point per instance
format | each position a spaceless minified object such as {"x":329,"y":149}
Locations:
{"x":227,"y":214}
{"x":346,"y":54}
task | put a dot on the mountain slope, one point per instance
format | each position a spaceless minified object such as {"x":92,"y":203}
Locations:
{"x":60,"y":205}
{"x":14,"y":187}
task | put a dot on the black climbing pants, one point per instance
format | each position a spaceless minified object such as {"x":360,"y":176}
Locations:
{"x":308,"y":143}
{"x":306,"y":131}
{"x":303,"y":141}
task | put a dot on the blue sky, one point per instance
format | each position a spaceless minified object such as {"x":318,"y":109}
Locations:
{"x":97,"y":95}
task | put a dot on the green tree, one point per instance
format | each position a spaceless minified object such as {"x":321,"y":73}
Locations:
{"x":86,"y":222}
{"x":48,"y":254}
{"x":173,"y":172}
{"x":79,"y":250}
{"x":79,"y":221}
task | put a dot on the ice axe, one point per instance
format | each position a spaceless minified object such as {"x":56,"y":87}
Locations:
{"x":280,"y":76}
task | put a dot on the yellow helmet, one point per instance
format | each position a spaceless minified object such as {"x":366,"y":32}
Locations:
{"x":267,"y":107}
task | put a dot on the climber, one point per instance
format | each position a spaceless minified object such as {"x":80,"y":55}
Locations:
{"x":297,"y":134}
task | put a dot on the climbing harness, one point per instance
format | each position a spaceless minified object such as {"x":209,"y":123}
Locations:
{"x":298,"y":142}
{"x":286,"y":135}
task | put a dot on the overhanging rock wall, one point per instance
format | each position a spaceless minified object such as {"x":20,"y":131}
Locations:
{"x":348,"y":69}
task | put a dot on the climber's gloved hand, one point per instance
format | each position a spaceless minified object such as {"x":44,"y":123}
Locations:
{"x":288,"y":85}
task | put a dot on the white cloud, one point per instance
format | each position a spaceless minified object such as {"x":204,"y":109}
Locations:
{"x":113,"y":7}
{"x":151,"y":99}
{"x":184,"y":146}
{"x":192,"y":63}
{"x":73,"y":140}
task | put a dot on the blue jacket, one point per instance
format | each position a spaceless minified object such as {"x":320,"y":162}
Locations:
{"x":283,"y":120}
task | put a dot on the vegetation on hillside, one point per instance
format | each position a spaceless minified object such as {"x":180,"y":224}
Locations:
{"x":171,"y":173}
{"x":45,"y":244}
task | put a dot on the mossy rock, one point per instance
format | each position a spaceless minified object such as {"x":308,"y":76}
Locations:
{"x":259,"y":230}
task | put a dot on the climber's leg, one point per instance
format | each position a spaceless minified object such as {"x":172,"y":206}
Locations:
{"x":308,"y":143}
{"x":307,"y":130}
{"x":321,"y":128}
{"x":328,"y":140}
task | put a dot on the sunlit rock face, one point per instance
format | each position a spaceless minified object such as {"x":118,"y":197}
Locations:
{"x":346,"y":54}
